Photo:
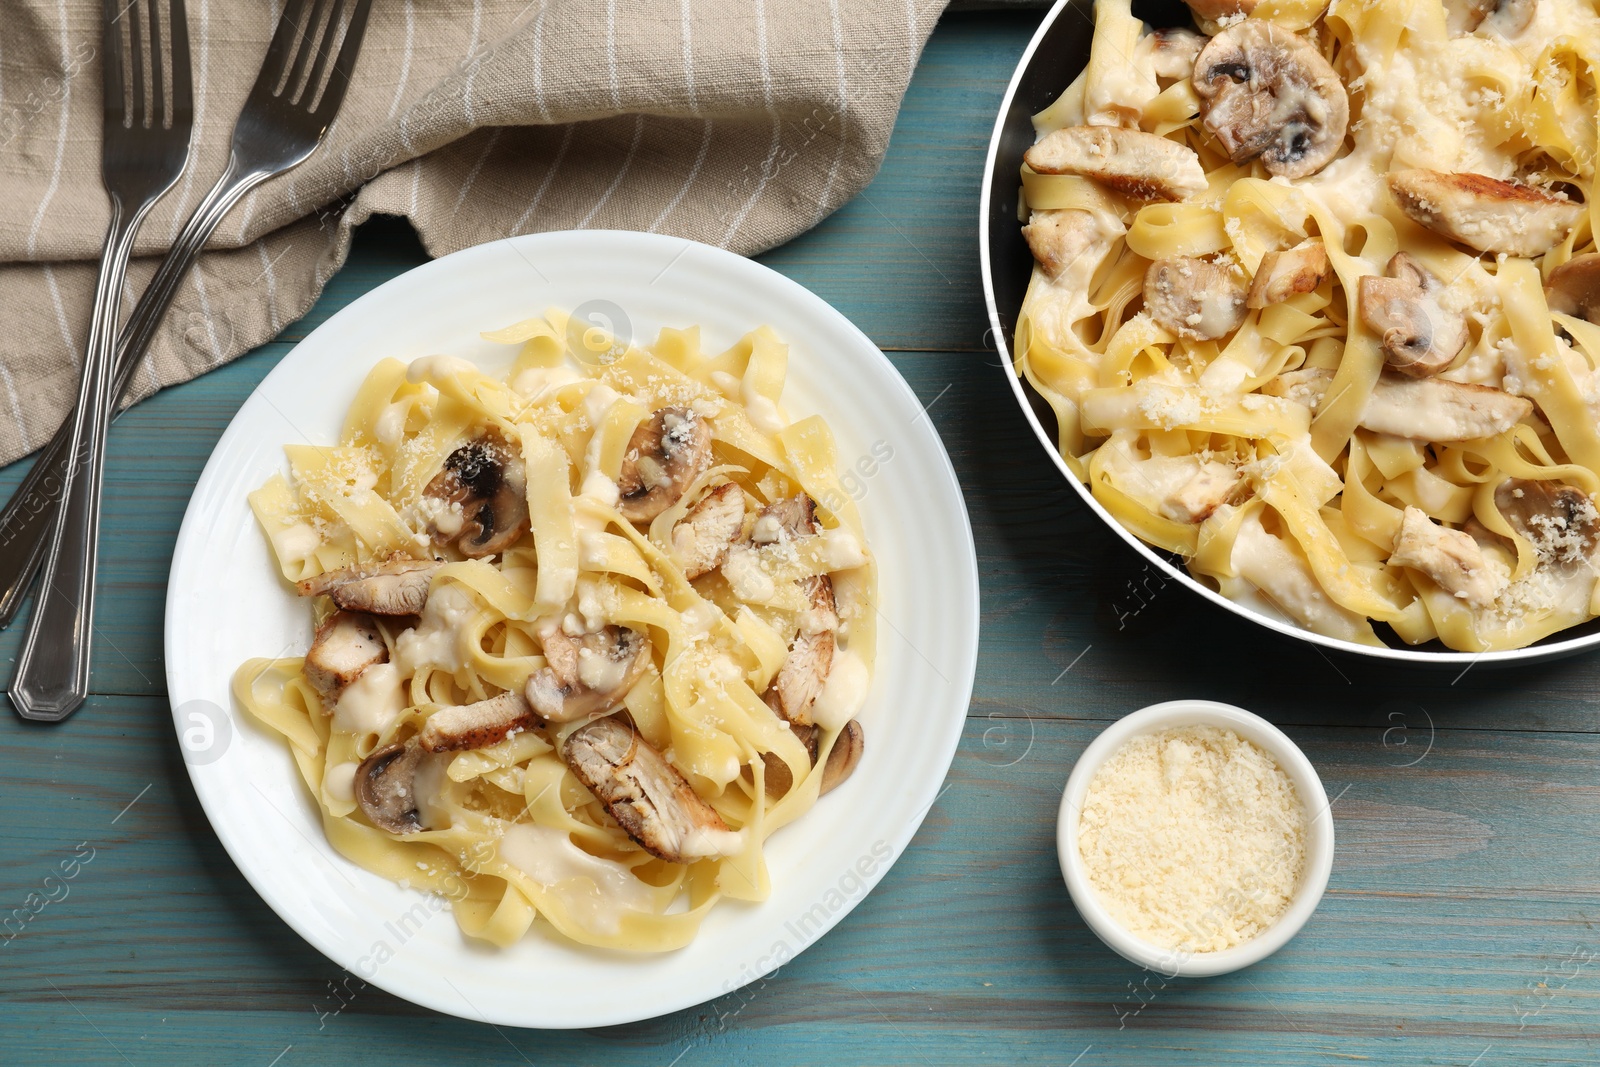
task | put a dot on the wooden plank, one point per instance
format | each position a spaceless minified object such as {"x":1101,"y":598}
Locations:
{"x":1461,"y":883}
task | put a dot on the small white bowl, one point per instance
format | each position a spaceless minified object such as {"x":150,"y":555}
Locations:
{"x":1319,"y":837}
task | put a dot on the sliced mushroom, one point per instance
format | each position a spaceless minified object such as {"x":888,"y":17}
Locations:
{"x":779,"y":778}
{"x":1574,"y":287}
{"x":810,"y":659}
{"x":701,"y":539}
{"x":587,"y":673}
{"x":395,"y":587}
{"x":665,"y":455}
{"x":1485,"y":213}
{"x":479,"y":725}
{"x":843,"y":757}
{"x":1419,"y":337}
{"x":653,"y":803}
{"x":1194,"y":298}
{"x":1131,"y":162}
{"x":1267,"y":92}
{"x":1559,"y":521}
{"x":344,"y":647}
{"x":1058,"y":239}
{"x":1423,"y":409}
{"x":479,"y":501}
{"x":1288,"y":273}
{"x":1450,"y":557}
{"x":1499,"y":18}
{"x":1172,"y":51}
{"x":386,"y":787}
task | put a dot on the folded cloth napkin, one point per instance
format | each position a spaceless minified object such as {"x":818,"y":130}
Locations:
{"x":735,"y":122}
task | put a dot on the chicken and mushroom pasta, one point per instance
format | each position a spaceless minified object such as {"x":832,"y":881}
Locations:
{"x":585,"y":636}
{"x":1315,"y":304}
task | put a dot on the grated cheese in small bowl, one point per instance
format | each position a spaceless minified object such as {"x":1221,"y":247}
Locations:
{"x":1194,"y":837}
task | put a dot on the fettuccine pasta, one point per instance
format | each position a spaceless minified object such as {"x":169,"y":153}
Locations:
{"x":586,"y":635}
{"x":1315,"y":301}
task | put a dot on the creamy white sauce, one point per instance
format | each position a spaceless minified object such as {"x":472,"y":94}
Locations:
{"x":391,"y":422}
{"x":597,"y":403}
{"x":844,"y":693}
{"x":294,"y":543}
{"x":371,"y":703}
{"x":749,"y":580}
{"x":339,"y":782}
{"x":436,"y":367}
{"x":600,"y":672}
{"x":436,"y":639}
{"x":766,"y":530}
{"x":595,"y":891}
{"x":534,"y":382}
{"x":600,"y":489}
{"x":842,"y":549}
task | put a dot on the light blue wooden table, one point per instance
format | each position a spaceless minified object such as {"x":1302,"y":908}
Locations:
{"x":1460,"y":926}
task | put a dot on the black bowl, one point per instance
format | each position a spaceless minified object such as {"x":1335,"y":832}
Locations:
{"x":1058,"y":51}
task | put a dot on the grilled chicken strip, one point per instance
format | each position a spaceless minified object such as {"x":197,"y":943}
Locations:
{"x":701,"y":539}
{"x":1171,"y":52}
{"x":805,"y":669}
{"x":1059,"y":239}
{"x":1450,"y":557}
{"x":1424,"y":409}
{"x":651,"y":801}
{"x":479,"y":725}
{"x":1133,"y":163}
{"x":1485,"y":213}
{"x":344,"y":646}
{"x":395,"y":587}
{"x":1284,"y":274}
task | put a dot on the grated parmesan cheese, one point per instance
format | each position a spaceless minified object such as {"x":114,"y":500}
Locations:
{"x":1193,"y":838}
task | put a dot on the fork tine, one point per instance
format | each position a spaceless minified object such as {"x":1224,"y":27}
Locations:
{"x":141,"y":102}
{"x":116,"y":104}
{"x":182,"y":76}
{"x":308,"y":44}
{"x":276,"y":64}
{"x":158,"y":95}
{"x":345,"y":65}
{"x":325,"y":47}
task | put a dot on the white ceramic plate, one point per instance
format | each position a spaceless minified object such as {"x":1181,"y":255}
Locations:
{"x":225,"y":603}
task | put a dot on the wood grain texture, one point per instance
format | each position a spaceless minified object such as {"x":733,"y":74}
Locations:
{"x":1459,"y":926}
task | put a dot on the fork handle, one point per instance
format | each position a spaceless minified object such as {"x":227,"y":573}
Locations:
{"x":29,"y":516}
{"x":52,"y":674}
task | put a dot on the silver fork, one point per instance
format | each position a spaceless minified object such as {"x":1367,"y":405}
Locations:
{"x":148,"y":118}
{"x":297,"y":93}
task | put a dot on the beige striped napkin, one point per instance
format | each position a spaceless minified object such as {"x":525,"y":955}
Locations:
{"x":736,"y":122}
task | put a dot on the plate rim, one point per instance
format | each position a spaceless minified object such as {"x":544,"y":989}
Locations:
{"x":964,"y":633}
{"x":1535,"y":653}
